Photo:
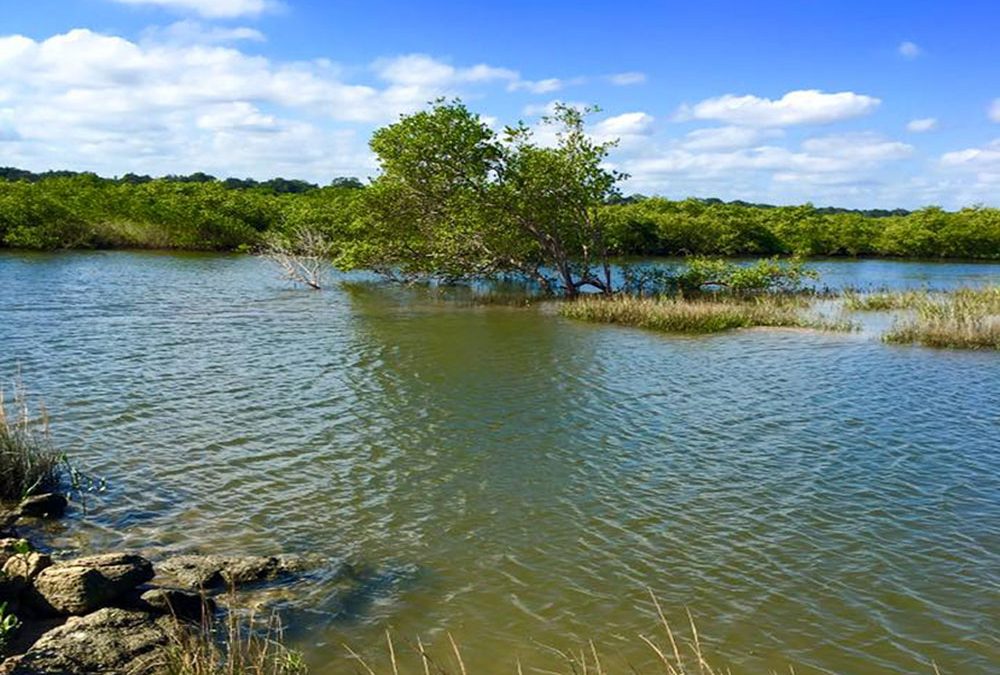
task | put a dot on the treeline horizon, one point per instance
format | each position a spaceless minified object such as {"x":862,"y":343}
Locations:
{"x":282,"y":185}
{"x":80,"y":210}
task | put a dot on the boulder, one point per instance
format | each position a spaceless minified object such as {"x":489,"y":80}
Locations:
{"x":214,"y":571}
{"x":110,"y":641}
{"x":48,"y":505}
{"x":85,"y":584}
{"x":24,"y":568}
{"x":184,"y":605}
{"x":12,"y":546}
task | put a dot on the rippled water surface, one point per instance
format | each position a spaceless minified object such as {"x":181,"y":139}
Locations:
{"x":519,"y":480}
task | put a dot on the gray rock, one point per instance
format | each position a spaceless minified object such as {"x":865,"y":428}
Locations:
{"x":48,"y":505}
{"x":214,"y":571}
{"x":185,"y":605}
{"x":11,"y":546}
{"x":110,"y":641}
{"x":85,"y":584}
{"x":24,"y":568}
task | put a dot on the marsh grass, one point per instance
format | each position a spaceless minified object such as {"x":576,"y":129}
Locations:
{"x":28,"y":462}
{"x":968,"y":318}
{"x":239,"y":644}
{"x":706,"y":314}
{"x":671,"y":653}
{"x":883,"y":301}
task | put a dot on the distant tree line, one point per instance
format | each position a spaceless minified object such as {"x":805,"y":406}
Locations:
{"x":65,"y":209}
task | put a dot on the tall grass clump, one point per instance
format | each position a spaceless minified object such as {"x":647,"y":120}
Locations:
{"x":236,"y":645}
{"x":968,"y":318}
{"x":699,"y":315}
{"x":883,"y":301}
{"x":28,"y":462}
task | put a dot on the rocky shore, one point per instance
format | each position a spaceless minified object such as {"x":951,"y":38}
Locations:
{"x":114,"y":613}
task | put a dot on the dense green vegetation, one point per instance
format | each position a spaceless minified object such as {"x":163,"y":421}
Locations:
{"x":65,"y":210}
{"x":85,"y":211}
{"x":455,"y":199}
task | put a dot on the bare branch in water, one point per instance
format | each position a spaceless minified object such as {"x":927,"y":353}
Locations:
{"x":303,"y":255}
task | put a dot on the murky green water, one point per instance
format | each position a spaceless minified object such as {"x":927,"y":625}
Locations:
{"x":519,"y":480}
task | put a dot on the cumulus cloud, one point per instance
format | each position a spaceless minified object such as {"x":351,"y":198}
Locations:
{"x":921,"y":125}
{"x":807,"y":106}
{"x":975,"y":172}
{"x":627,"y":79}
{"x":727,"y":138}
{"x":846,"y":168}
{"x":193,"y":32}
{"x":186,"y":98}
{"x":987,"y":156}
{"x":627,"y":124}
{"x":628,"y":129}
{"x":909,"y":50}
{"x":215,"y":9}
{"x":545,"y":86}
{"x":995,"y":110}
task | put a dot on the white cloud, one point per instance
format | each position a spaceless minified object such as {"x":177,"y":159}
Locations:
{"x":987,"y":156}
{"x":177,"y":100}
{"x":546,"y":86}
{"x":808,"y":106}
{"x":192,"y":32}
{"x":995,"y":110}
{"x":921,"y":125}
{"x":8,"y":132}
{"x":215,"y":9}
{"x":626,"y":79}
{"x":628,"y":129}
{"x":727,"y":138}
{"x":421,"y":70}
{"x":627,"y":124}
{"x":975,"y":173}
{"x":909,"y":50}
{"x":843,"y":169}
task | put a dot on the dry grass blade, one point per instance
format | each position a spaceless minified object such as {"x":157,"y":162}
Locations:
{"x":361,"y":661}
{"x":458,"y":654}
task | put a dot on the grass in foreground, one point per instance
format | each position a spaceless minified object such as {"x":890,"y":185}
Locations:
{"x":240,"y":645}
{"x":703,"y":315}
{"x":964,"y":319}
{"x":236,"y":645}
{"x":28,"y":462}
{"x":672,"y":654}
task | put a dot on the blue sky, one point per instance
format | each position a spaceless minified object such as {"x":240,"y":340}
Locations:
{"x":865,"y":104}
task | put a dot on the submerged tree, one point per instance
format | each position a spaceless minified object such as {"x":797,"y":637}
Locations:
{"x":303,"y":255}
{"x":456,"y":201}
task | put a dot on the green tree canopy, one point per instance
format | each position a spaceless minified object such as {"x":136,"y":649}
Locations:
{"x":455,"y":200}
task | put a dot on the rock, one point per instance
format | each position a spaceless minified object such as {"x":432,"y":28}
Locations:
{"x":10,"y":547}
{"x":48,"y":505}
{"x":185,"y":605}
{"x":213,"y":571}
{"x":110,"y":641}
{"x":24,"y":568}
{"x":85,"y":584}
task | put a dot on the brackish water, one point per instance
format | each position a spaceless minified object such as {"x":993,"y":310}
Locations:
{"x":520,"y":480}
